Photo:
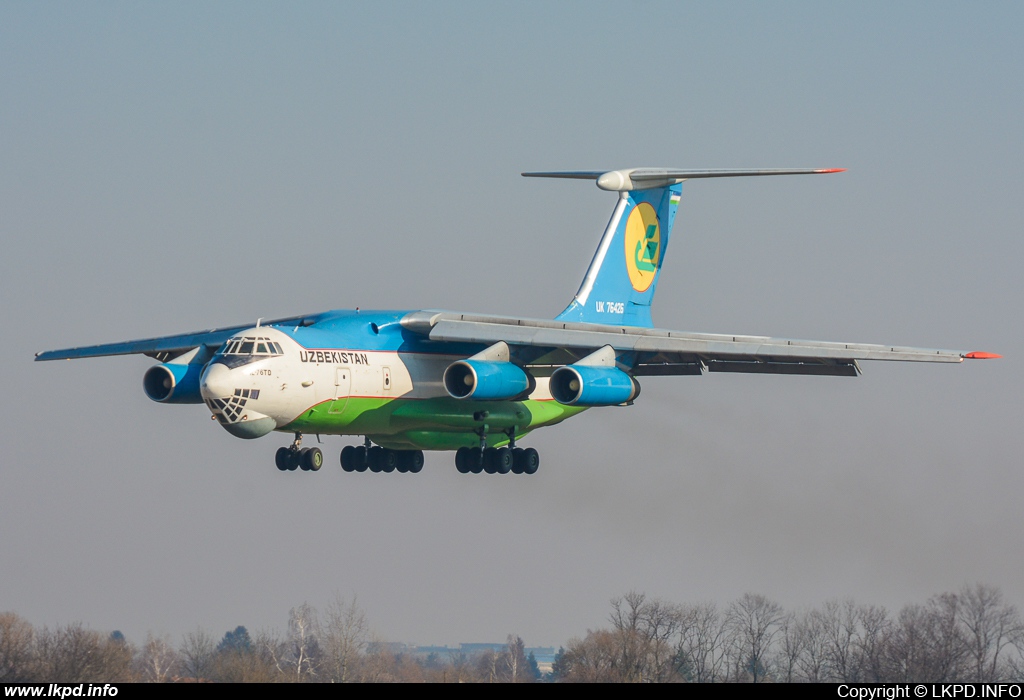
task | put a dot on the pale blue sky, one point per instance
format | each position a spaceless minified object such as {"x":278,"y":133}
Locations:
{"x":166,"y":168}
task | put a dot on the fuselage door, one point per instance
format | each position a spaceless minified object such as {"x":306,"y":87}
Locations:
{"x":342,"y":388}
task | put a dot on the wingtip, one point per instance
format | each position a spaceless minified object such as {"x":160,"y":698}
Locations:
{"x":982,"y":356}
{"x":833,"y":170}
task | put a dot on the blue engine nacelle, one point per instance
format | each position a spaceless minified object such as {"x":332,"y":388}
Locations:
{"x":173,"y":383}
{"x":486,"y":380}
{"x":580,"y":385}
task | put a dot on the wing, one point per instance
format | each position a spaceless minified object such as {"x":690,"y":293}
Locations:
{"x":653,"y":351}
{"x":167,"y":347}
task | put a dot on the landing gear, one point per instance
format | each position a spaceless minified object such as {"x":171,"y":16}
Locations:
{"x":497,"y":460}
{"x":380,"y":459}
{"x":413,"y":460}
{"x":528,"y":460}
{"x":309,"y":459}
{"x":355,"y":459}
{"x":283,"y":459}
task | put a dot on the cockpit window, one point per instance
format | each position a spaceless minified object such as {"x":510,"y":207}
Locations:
{"x":251,"y":346}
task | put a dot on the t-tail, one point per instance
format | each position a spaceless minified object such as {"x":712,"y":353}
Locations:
{"x":619,"y":286}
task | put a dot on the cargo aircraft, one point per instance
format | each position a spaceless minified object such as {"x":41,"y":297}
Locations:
{"x":408,"y":381}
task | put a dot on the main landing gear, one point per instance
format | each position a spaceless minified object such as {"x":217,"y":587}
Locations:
{"x":497,"y":460}
{"x":380,"y":459}
{"x":308,"y":459}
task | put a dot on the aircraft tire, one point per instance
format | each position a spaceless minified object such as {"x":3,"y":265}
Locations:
{"x":312,"y":459}
{"x":475,"y":460}
{"x":461,"y":462}
{"x":502,"y":460}
{"x":518,"y":465}
{"x":281,"y":458}
{"x":359,"y":460}
{"x":388,"y":460}
{"x":346,"y":458}
{"x":402,"y":466}
{"x":294,"y":459}
{"x":531,"y":461}
{"x":303,"y":465}
{"x":374,"y":459}
{"x":415,"y":462}
{"x":490,"y":463}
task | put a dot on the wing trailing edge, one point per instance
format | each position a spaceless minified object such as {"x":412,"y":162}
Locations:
{"x":659,"y":351}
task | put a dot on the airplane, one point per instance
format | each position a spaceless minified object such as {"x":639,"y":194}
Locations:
{"x":415,"y":380}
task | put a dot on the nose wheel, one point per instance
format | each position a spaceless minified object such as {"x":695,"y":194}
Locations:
{"x":308,"y":459}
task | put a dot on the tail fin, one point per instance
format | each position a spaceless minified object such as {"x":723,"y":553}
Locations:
{"x":619,"y":285}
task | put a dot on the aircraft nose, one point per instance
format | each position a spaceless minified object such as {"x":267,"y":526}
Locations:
{"x":216,"y":382}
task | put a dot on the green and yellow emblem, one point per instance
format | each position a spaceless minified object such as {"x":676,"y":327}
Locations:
{"x":643,"y":246}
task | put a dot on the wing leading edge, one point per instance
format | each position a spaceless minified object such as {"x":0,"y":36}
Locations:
{"x":166,"y":347}
{"x":657,"y":351}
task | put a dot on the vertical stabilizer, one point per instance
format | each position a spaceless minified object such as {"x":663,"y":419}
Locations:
{"x":619,"y":285}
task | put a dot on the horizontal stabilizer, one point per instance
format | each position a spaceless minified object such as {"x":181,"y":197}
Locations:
{"x":648,"y":178}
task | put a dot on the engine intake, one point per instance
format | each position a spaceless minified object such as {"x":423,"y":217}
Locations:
{"x":173,"y":383}
{"x":580,"y":385}
{"x":486,"y":380}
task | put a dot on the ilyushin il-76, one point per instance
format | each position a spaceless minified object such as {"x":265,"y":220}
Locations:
{"x":409,"y":381}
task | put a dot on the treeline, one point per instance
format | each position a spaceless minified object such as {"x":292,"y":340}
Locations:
{"x":972,"y":635}
{"x":969,"y":636}
{"x":333,"y":647}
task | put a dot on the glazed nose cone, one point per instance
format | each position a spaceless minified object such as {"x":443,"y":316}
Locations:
{"x":216,"y":382}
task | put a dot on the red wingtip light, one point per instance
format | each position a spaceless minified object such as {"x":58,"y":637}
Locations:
{"x":833,"y":170}
{"x":982,"y":356}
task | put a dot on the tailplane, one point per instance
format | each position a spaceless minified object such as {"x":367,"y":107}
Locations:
{"x":619,"y":285}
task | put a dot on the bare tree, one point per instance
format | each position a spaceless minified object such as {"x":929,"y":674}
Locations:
{"x":700,"y":651}
{"x":302,"y":639}
{"x":196,"y":654}
{"x":792,"y":636}
{"x":989,"y":626}
{"x":344,"y":634}
{"x":73,"y":654}
{"x":868,"y":664}
{"x":925,"y":643}
{"x":593,"y":659}
{"x":379,"y":664}
{"x":157,"y":662}
{"x":754,"y":621}
{"x":643,"y":630}
{"x":16,"y":639}
{"x":514,"y":660}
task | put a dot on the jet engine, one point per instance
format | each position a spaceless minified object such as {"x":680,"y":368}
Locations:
{"x":581,"y":385}
{"x":173,"y":383}
{"x":486,"y":380}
